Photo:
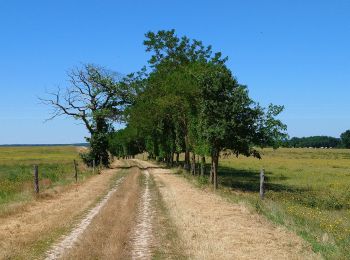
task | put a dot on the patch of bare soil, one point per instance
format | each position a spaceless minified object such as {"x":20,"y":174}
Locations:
{"x":108,"y":235}
{"x":144,"y":164}
{"x":119,"y":163}
{"x":25,"y":234}
{"x":212,"y":228}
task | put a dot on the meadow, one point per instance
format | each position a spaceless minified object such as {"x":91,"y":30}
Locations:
{"x":308,"y":191}
{"x":16,"y":170}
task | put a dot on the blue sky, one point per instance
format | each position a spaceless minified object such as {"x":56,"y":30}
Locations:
{"x":294,"y":53}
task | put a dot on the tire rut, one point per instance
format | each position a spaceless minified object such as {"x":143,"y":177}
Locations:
{"x":142,"y":233}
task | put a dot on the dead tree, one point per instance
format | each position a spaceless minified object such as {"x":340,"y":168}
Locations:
{"x":96,"y":97}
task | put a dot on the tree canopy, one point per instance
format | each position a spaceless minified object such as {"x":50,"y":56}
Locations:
{"x":192,"y":103}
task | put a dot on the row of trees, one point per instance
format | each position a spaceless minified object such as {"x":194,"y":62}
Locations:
{"x":191,"y":103}
{"x":185,"y":101}
{"x":319,"y":141}
{"x":312,"y":141}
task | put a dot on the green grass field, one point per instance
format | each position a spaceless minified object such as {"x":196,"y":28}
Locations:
{"x":308,"y":191}
{"x":16,"y":170}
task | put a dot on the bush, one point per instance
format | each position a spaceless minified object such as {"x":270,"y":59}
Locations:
{"x":87,"y":158}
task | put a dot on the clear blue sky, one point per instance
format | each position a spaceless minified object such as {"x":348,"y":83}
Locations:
{"x":295,"y":53}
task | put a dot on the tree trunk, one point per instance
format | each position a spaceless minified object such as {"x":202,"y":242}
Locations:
{"x":202,"y":165}
{"x":198,"y":167}
{"x":177,"y":158}
{"x":215,"y":169}
{"x":193,"y":164}
{"x":187,"y":161}
{"x":211,"y":176}
{"x":172,"y":159}
{"x":187,"y":154}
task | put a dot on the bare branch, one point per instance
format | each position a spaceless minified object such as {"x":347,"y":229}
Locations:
{"x":91,"y":90}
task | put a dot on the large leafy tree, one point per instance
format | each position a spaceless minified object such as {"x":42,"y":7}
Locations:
{"x":345,"y":139}
{"x":230,"y":120}
{"x":173,"y":90}
{"x":96,"y":97}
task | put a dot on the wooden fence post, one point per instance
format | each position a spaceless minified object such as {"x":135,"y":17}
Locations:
{"x":75,"y":171}
{"x":36,"y":179}
{"x":262,"y":184}
{"x":93,"y":166}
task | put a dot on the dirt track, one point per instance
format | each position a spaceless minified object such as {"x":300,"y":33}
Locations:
{"x":129,"y":224}
{"x":107,"y":235}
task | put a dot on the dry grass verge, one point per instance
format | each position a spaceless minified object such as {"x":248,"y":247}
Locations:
{"x":168,"y":244}
{"x":213,"y":228}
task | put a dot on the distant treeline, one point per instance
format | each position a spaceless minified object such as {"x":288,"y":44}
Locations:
{"x":314,"y":141}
